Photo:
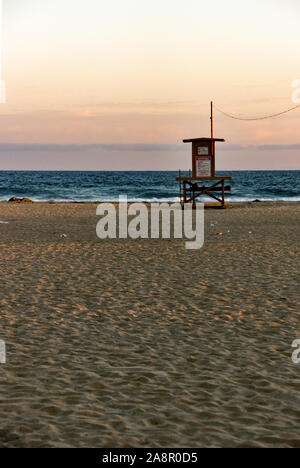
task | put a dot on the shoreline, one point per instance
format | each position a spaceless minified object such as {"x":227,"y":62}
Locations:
{"x":229,"y":204}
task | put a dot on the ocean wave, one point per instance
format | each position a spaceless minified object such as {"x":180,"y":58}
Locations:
{"x":141,"y":186}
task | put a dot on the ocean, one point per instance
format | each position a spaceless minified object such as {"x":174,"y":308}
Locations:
{"x":140,"y":186}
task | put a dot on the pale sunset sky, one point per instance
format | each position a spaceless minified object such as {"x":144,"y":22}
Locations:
{"x":117,"y":85}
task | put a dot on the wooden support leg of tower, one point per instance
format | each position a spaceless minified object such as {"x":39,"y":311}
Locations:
{"x":184,"y":192}
{"x":194,"y":199}
{"x":223,"y":194}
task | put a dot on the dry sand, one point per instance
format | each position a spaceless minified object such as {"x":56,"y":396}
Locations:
{"x":124,"y":343}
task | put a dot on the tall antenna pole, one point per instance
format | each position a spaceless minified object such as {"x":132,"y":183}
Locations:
{"x":212,"y":118}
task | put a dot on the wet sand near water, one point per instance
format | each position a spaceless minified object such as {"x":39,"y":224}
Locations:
{"x":141,"y":343}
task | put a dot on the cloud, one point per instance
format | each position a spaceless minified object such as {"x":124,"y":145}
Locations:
{"x":279,"y":147}
{"x":291,"y":147}
{"x":139,"y":147}
{"x":36,"y":147}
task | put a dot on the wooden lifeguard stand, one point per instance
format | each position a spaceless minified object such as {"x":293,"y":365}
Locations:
{"x":203,"y":170}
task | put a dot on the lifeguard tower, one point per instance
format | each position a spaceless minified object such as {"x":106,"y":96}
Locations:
{"x":202,"y":180}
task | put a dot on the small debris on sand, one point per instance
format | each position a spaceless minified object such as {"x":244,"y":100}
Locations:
{"x":20,"y":200}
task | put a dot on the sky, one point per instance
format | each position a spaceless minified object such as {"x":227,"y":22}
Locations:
{"x":117,"y":85}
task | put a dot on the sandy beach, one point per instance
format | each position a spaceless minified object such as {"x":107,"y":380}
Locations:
{"x":141,"y":343}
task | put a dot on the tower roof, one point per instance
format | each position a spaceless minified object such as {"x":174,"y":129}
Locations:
{"x":192,"y":140}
